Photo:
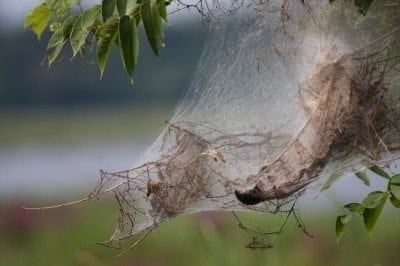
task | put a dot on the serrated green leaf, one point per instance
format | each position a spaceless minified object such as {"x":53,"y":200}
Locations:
{"x":395,"y":201}
{"x":107,"y":34}
{"x":374,"y":199}
{"x":107,"y":9}
{"x":57,"y":42}
{"x":121,"y":7}
{"x":90,"y":15}
{"x":394,"y":186}
{"x":38,"y":19}
{"x":147,"y":18}
{"x":78,"y":36}
{"x":55,"y":39}
{"x":55,"y":53}
{"x":158,"y":27}
{"x":60,"y":8}
{"x":363,"y":177}
{"x":379,"y":171}
{"x":341,"y":222}
{"x":354,"y":207}
{"x":81,"y":28}
{"x":371,"y":215}
{"x":162,"y":9}
{"x":68,"y":25}
{"x":129,"y":44}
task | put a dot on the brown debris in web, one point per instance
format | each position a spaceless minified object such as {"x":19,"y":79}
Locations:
{"x":347,"y":111}
{"x":192,"y":174}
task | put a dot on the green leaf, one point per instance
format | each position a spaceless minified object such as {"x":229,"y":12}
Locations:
{"x":374,"y":199}
{"x":129,"y":44}
{"x":395,"y":201}
{"x":379,"y":171}
{"x":162,"y":9}
{"x":394,"y":186}
{"x":55,"y":39}
{"x":107,"y":34}
{"x":147,"y":17}
{"x":341,"y":222}
{"x":158,"y":27}
{"x":78,"y":36}
{"x":121,"y":7}
{"x":57,"y":42}
{"x":60,"y":8}
{"x":90,"y":16}
{"x":363,"y":177}
{"x":81,"y":28}
{"x":354,"y":207}
{"x":371,"y":215}
{"x":107,"y":9}
{"x":54,"y":55}
{"x":38,"y":19}
{"x":68,"y":25}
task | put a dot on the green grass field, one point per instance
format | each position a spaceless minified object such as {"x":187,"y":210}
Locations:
{"x":71,"y":125}
{"x":64,"y":237}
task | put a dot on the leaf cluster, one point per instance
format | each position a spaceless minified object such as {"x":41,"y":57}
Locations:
{"x":111,"y":23}
{"x":372,"y":205}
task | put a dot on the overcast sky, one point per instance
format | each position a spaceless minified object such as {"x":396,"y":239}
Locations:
{"x":12,"y":12}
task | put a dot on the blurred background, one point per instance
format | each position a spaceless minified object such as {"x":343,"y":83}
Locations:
{"x":60,"y":126}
